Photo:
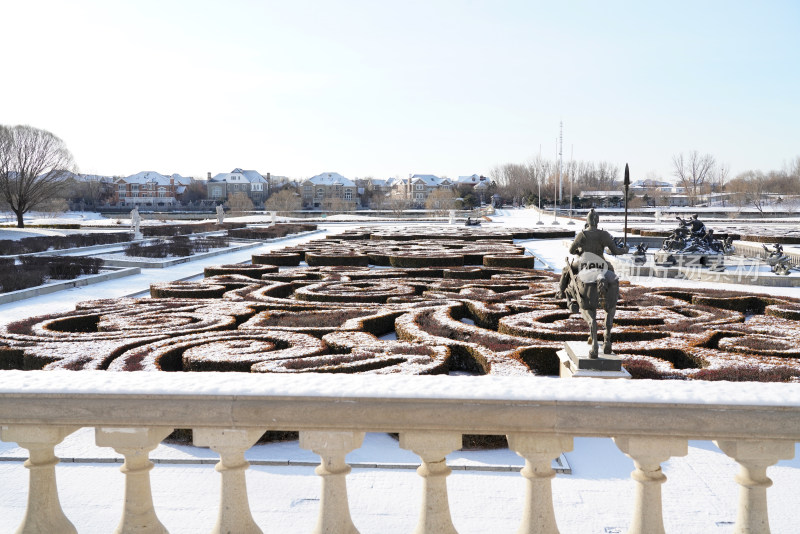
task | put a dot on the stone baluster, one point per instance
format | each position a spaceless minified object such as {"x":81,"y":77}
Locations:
{"x":135,"y":444}
{"x":332,"y":447}
{"x":43,"y":513}
{"x":234,"y":507}
{"x":432,"y":447}
{"x":648,"y":453}
{"x":753,"y":457}
{"x":539,"y":450}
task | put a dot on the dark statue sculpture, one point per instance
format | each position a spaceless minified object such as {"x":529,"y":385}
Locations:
{"x":639,"y":257}
{"x":777,"y":260}
{"x":692,"y":243}
{"x":591,"y":280}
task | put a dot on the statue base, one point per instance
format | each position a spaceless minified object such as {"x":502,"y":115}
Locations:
{"x":686,"y":259}
{"x":575,"y":363}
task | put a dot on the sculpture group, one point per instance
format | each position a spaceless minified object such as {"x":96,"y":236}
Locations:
{"x":691,"y":243}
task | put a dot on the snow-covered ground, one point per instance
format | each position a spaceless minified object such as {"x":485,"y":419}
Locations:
{"x":700,"y":495}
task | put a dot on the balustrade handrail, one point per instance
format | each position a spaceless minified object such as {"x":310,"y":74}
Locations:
{"x":476,"y":405}
{"x":650,"y":421}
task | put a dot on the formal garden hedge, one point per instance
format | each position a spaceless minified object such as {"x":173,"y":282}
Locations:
{"x":168,"y":230}
{"x":418,"y":307}
{"x":344,"y":319}
{"x":33,"y":271}
{"x":29,"y":245}
{"x":178,"y":246}
{"x":272,"y":231}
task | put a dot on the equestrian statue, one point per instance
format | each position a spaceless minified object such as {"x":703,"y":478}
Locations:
{"x":590,"y":281}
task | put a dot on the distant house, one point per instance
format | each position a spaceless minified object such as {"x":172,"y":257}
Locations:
{"x":249,"y":182}
{"x":149,"y":188}
{"x":417,"y":187}
{"x":604,"y":199}
{"x":330,"y":190}
{"x":643,"y":186}
{"x":474,"y":181}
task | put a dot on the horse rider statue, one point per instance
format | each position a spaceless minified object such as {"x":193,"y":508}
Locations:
{"x":585,"y":282}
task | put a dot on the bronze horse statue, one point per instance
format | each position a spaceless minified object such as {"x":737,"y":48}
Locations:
{"x":593,"y":280}
{"x":587,"y":290}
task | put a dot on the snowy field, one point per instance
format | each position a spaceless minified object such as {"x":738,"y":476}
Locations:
{"x":486,"y":492}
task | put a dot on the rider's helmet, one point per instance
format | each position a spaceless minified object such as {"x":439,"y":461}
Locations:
{"x":592,"y":219}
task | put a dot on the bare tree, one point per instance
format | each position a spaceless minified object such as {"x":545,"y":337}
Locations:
{"x":442,"y":200}
{"x":33,"y":166}
{"x":284,"y":200}
{"x":239,"y":203}
{"x":338,"y":205}
{"x":720,"y":177}
{"x":397,"y":204}
{"x":692,"y":172}
{"x":749,"y":188}
{"x":794,"y":167}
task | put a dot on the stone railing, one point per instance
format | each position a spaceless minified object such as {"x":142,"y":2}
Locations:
{"x":755,"y":424}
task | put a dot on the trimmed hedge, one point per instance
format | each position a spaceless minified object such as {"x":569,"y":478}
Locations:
{"x":186,"y":290}
{"x":63,"y":267}
{"x":29,"y":245}
{"x":56,"y":226}
{"x":178,"y":246}
{"x":317,"y":259}
{"x":34,"y":270}
{"x":271,"y":232}
{"x":284,"y":259}
{"x":508,"y":260}
{"x":417,"y":261}
{"x":782,"y":239}
{"x":168,"y":230}
{"x":748,"y":373}
{"x":10,"y":358}
{"x":252,"y":271}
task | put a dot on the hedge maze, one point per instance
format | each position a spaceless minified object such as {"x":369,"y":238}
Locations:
{"x":378,"y":303}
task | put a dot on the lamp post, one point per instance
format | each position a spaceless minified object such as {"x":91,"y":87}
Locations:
{"x":571,"y":172}
{"x":539,"y":181}
{"x":626,"y":184}
{"x":555,"y":188}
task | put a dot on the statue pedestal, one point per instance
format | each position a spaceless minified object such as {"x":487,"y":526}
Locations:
{"x":687,"y":259}
{"x":575,"y":363}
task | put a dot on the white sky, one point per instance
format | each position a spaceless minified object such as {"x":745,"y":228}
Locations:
{"x":373,"y":88}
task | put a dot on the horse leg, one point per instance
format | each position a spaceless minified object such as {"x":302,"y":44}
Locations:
{"x":612,"y":295}
{"x":591,"y":318}
{"x":610,"y":311}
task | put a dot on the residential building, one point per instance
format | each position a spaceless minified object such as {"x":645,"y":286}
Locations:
{"x":249,"y":182}
{"x":149,"y":188}
{"x":330,"y":190}
{"x":416,"y":188}
{"x":475,"y":181}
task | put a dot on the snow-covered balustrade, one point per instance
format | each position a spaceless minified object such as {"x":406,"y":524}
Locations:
{"x":756,"y":424}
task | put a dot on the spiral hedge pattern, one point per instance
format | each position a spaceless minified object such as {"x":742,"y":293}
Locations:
{"x":430,"y":318}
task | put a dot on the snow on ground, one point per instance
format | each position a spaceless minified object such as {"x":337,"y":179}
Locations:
{"x":700,"y":495}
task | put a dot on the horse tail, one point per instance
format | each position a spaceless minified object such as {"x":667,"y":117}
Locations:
{"x":602,"y":286}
